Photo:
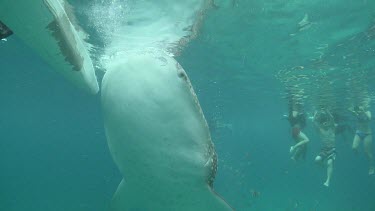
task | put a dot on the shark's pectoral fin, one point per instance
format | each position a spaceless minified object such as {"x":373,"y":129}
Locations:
{"x":45,"y":26}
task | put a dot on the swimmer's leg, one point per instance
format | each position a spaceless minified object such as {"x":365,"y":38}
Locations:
{"x":367,"y":142}
{"x":356,"y":141}
{"x":299,"y":152}
{"x":329,"y":172}
{"x":318,"y":159}
{"x":304,"y":152}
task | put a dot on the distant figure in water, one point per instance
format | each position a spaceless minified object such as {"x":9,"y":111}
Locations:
{"x":297,"y":121}
{"x":324,"y":121}
{"x":4,"y":31}
{"x":363,"y":133}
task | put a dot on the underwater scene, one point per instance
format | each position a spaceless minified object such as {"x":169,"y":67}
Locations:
{"x":179,"y":105}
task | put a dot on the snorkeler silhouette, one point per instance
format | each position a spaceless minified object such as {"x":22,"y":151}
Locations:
{"x":297,"y":121}
{"x":4,"y":31}
{"x":325,"y":124}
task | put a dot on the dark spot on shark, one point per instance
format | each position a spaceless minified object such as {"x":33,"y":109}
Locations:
{"x":181,"y":75}
{"x":180,"y":72}
{"x":212,"y":167}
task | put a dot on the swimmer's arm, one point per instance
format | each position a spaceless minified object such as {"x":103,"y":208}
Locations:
{"x":314,"y":119}
{"x":368,"y":114}
{"x":351,"y":109}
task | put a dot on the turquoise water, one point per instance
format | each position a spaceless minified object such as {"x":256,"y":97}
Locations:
{"x":53,"y":150}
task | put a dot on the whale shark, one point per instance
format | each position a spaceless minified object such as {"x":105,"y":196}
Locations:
{"x":156,"y":130}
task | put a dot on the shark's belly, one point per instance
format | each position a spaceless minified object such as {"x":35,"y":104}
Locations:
{"x":154,"y":124}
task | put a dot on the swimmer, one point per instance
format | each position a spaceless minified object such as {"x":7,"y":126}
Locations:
{"x":364,"y":134}
{"x":326,"y":126}
{"x":297,"y":121}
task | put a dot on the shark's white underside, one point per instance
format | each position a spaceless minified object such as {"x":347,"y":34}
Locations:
{"x":158,"y":136}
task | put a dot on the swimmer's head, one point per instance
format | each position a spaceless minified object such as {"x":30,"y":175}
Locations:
{"x":324,"y":118}
{"x":359,"y":109}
